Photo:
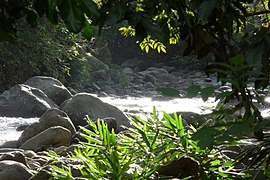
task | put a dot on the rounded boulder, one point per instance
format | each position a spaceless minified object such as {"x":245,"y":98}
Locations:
{"x":52,"y":87}
{"x":83,"y":104}
{"x":52,"y":117}
{"x":14,"y":171}
{"x":52,"y":137}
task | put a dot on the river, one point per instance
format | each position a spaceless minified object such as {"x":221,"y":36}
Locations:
{"x":8,"y":125}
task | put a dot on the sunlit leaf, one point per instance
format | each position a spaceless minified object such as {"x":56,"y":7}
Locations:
{"x":146,"y":48}
{"x":163,"y":49}
{"x":88,"y":31}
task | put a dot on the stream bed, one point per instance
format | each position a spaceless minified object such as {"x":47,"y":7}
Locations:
{"x":8,"y":125}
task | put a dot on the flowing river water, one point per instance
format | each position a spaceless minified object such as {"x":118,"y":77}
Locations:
{"x":8,"y":125}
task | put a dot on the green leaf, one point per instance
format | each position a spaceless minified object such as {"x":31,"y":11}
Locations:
{"x":223,"y":95}
{"x":90,"y":8}
{"x":237,"y":60}
{"x":261,"y":82}
{"x":215,"y":162}
{"x":241,"y":7}
{"x":179,"y":125}
{"x":144,"y":136}
{"x":72,"y":15}
{"x":146,"y":48}
{"x":166,"y":91}
{"x":88,"y":31}
{"x":59,"y":170}
{"x":163,"y":49}
{"x":205,"y":137}
{"x":168,"y":121}
{"x":100,"y":130}
{"x":158,"y":49}
{"x":193,"y":91}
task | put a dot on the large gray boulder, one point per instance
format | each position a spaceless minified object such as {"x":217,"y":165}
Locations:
{"x":52,"y":137}
{"x":24,"y":101}
{"x":52,"y":117}
{"x":83,"y":104}
{"x":158,"y":75}
{"x":52,"y":87}
{"x":13,"y":170}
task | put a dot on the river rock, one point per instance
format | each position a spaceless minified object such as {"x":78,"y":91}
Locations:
{"x":43,"y":172}
{"x":129,"y":73}
{"x":150,"y":78}
{"x":9,"y":150}
{"x":14,"y":156}
{"x":96,"y":63}
{"x":131,"y":63}
{"x":83,"y":104}
{"x":181,"y":168}
{"x":34,"y":165}
{"x":158,"y":76}
{"x":24,"y":101}
{"x":8,"y":144}
{"x":54,"y":136}
{"x":52,"y":117}
{"x":13,"y":170}
{"x":166,"y":78}
{"x":52,"y":87}
{"x":154,"y":71}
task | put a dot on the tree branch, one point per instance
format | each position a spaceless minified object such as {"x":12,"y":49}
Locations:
{"x":258,"y":13}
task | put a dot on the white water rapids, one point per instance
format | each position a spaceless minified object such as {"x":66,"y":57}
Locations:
{"x":8,"y":125}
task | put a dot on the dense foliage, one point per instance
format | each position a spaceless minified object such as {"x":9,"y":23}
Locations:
{"x":148,"y":150}
{"x":234,"y":34}
{"x":45,"y":50}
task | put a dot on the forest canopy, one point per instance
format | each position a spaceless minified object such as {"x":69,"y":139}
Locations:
{"x":232,"y":32}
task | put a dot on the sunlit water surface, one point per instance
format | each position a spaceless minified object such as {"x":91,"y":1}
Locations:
{"x":8,"y":125}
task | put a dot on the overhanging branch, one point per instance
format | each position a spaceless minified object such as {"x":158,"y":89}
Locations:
{"x":258,"y":13}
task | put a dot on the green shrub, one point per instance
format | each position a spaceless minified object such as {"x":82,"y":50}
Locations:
{"x":143,"y":150}
{"x":45,"y":50}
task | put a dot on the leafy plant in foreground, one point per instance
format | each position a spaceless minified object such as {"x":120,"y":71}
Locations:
{"x":142,"y":151}
{"x":257,"y":156}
